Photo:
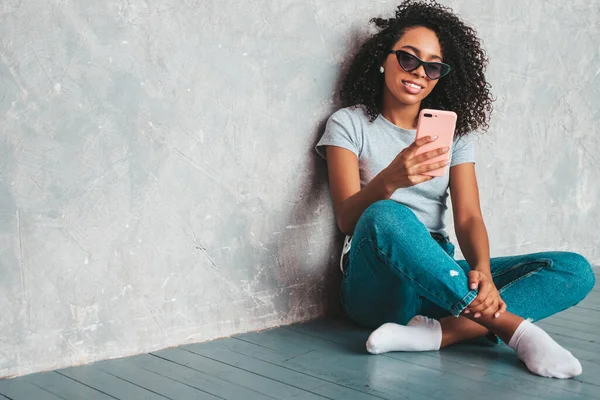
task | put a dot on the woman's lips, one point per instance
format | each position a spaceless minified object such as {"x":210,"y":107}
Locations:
{"x":412,"y":87}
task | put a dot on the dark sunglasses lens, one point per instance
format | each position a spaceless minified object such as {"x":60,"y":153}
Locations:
{"x":407,"y":61}
{"x":434,"y":71}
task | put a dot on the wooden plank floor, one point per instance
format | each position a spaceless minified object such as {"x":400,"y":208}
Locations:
{"x":326,"y":359}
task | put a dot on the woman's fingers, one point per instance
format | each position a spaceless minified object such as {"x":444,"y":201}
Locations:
{"x":490,"y":310}
{"x":421,"y":169}
{"x":412,"y":149}
{"x":421,"y":158}
{"x":474,"y":278}
{"x":479,"y":304}
{"x":494,"y":306}
{"x":416,"y":179}
{"x":501,"y":309}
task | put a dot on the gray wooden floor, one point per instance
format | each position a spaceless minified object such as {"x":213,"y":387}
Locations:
{"x":326,"y":359}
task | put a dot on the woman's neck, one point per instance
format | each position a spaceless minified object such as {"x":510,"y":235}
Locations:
{"x":402,"y":115}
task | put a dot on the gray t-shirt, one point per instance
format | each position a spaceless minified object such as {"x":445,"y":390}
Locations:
{"x":376,"y":144}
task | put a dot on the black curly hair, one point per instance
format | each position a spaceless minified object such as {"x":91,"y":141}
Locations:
{"x":464,"y":91}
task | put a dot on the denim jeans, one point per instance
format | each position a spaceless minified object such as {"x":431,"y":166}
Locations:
{"x":395,"y":270}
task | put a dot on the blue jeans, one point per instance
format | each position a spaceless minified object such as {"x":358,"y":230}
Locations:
{"x":395,"y":270}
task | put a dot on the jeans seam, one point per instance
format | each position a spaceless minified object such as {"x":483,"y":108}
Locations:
{"x":459,"y":307}
{"x":546,"y":261}
{"x":513,"y":267}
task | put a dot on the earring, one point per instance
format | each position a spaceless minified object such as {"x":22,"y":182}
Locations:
{"x":381,"y":69}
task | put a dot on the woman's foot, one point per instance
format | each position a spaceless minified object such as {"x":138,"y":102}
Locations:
{"x":395,"y":337}
{"x":421,"y":334}
{"x":542,"y":355}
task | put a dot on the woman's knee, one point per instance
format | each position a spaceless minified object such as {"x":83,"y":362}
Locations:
{"x":582,"y":279}
{"x":387,"y":217}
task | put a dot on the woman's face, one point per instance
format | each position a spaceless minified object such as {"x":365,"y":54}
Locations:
{"x":411,"y":88}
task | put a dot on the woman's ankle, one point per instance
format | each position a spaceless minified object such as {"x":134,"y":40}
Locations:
{"x":504,"y":326}
{"x":456,"y":330}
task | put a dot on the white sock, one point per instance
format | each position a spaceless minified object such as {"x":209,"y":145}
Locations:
{"x":542,"y":355}
{"x":420,"y":334}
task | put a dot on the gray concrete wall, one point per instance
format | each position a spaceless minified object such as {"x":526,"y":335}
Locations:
{"x":158,"y":184}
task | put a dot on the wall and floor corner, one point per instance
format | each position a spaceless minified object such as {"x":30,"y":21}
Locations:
{"x":158,"y":183}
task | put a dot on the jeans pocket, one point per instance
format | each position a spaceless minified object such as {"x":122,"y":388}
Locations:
{"x":450,"y":249}
{"x":445,"y":244}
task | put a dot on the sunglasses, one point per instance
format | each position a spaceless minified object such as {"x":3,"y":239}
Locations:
{"x":409,"y":63}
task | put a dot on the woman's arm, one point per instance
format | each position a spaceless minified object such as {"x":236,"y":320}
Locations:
{"x":349,"y":201}
{"x":468,"y":221}
{"x":473,"y":240}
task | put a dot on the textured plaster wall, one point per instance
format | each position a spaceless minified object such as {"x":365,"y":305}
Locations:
{"x":158,"y":184}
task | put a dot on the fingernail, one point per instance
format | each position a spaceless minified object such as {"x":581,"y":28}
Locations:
{"x":496,"y":315}
{"x":474,"y":286}
{"x":477,"y":315}
{"x":445,"y":149}
{"x":434,"y":137}
{"x":467,"y":311}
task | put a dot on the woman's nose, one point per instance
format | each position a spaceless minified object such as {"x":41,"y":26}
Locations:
{"x":420,"y":72}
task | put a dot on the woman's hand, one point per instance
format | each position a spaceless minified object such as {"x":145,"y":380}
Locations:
{"x":405,"y":171}
{"x":488,"y":301}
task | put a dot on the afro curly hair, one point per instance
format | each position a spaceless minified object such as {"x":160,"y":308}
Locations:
{"x":464,"y":91}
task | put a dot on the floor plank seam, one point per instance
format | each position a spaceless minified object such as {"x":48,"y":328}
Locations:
{"x":259,"y":345}
{"x":256,"y":373}
{"x":204,"y":373}
{"x":312,"y":376}
{"x":181,"y":382}
{"x":91,"y":387}
{"x":133,"y":383}
{"x":46,"y":390}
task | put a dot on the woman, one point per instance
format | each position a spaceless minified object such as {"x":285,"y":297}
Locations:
{"x":398,"y":265}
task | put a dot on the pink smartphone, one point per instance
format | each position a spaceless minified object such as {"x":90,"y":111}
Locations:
{"x":436,"y":123}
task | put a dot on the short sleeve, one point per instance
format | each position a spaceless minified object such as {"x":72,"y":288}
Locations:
{"x":340,"y":131}
{"x":463,"y":150}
